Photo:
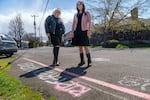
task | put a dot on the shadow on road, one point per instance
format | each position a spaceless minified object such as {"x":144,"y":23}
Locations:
{"x":36,"y":72}
{"x":67,"y":75}
{"x":71,"y":73}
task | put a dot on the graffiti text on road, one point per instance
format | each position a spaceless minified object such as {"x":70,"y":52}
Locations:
{"x":28,"y":66}
{"x":73,"y":88}
{"x":53,"y":77}
{"x":133,"y":81}
{"x":50,"y":77}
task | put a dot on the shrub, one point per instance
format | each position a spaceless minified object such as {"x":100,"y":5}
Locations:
{"x":110,"y":44}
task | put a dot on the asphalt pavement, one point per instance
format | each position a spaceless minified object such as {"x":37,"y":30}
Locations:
{"x":116,"y":74}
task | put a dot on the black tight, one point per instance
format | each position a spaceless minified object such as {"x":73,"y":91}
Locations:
{"x":55,"y":53}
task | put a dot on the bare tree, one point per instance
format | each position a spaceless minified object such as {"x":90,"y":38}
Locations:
{"x":31,"y":38}
{"x":110,"y":13}
{"x":16,"y":28}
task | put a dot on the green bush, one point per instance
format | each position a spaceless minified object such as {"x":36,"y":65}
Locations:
{"x":110,"y":44}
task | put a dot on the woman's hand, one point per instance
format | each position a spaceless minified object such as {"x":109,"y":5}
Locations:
{"x":72,"y":34}
{"x":89,"y":34}
{"x":48,"y":35}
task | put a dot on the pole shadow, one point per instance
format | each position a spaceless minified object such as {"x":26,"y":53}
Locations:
{"x":71,"y":73}
{"x":36,"y":72}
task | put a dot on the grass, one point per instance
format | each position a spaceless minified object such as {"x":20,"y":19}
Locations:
{"x":139,"y":46}
{"x":133,"y":46}
{"x":95,"y":46}
{"x":4,"y":66}
{"x":13,"y":89}
{"x":123,"y":46}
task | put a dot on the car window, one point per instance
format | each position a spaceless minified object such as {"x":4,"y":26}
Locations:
{"x":4,"y":37}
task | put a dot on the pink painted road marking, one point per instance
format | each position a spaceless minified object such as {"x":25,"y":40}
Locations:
{"x":102,"y":83}
{"x":74,"y":89}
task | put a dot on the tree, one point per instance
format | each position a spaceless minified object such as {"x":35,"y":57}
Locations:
{"x":16,"y":28}
{"x":31,"y":38}
{"x":110,"y":13}
{"x":48,"y":42}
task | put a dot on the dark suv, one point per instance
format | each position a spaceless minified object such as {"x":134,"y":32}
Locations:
{"x":8,"y":45}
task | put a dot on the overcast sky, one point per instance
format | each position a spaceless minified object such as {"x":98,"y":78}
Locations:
{"x":10,"y":8}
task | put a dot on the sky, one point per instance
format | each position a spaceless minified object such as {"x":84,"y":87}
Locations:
{"x":10,"y":8}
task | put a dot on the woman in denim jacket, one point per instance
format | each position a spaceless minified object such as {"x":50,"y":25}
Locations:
{"x":54,"y":28}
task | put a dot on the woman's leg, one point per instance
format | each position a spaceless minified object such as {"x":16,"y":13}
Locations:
{"x":56,"y":53}
{"x":81,"y":49}
{"x":86,"y":48}
{"x":88,"y":55}
{"x":82,"y":62}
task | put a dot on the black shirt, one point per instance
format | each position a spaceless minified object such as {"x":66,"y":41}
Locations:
{"x":79,"y":25}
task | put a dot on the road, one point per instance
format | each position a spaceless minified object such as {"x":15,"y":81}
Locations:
{"x":117,"y":74}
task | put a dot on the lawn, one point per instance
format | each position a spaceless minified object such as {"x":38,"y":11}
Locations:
{"x":13,"y":89}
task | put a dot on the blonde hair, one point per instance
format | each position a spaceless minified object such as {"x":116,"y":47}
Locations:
{"x":57,"y":10}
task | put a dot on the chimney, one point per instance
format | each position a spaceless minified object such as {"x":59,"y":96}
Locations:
{"x":134,"y":13}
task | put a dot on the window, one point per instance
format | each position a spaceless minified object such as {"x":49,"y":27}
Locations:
{"x":4,"y":37}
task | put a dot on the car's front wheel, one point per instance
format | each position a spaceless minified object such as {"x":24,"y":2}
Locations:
{"x":9,"y":55}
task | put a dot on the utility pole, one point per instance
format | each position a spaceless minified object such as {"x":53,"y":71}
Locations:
{"x":34,"y":23}
{"x":40,"y":34}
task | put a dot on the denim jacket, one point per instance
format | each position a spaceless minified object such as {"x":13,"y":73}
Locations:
{"x":54,"y":25}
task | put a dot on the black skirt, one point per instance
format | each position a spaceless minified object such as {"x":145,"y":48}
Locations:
{"x":80,"y":38}
{"x":56,"y":40}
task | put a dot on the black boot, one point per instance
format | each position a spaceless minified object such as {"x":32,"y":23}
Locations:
{"x":89,"y":60}
{"x":54,"y":62}
{"x":82,"y":59}
{"x":56,"y":52}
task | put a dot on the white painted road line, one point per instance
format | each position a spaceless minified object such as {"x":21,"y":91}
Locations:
{"x":99,"y":82}
{"x":101,"y":59}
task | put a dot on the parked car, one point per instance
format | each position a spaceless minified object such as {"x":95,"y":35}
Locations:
{"x":68,"y":43}
{"x":8,"y":45}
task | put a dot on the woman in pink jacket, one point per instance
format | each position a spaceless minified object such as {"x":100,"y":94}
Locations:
{"x":81,"y":30}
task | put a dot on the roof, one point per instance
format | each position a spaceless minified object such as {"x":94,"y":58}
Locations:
{"x":146,"y":21}
{"x":129,"y":20}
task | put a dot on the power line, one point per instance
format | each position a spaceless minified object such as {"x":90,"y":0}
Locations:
{"x":39,"y":27}
{"x":44,"y":12}
{"x":42,"y":6}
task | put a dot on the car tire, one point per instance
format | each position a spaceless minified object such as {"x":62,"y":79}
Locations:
{"x":9,"y":55}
